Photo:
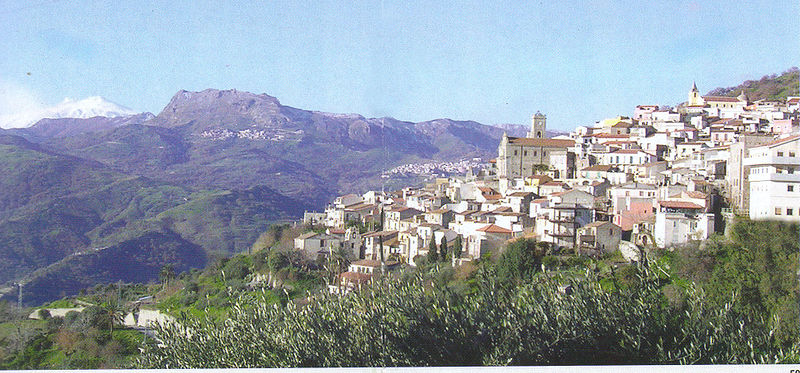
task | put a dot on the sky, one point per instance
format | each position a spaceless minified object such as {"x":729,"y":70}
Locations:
{"x":488,"y":61}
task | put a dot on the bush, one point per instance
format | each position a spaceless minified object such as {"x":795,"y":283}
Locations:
{"x":411,"y":323}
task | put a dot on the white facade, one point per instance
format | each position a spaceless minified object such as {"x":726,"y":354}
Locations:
{"x":775,"y":180}
{"x":679,"y":227}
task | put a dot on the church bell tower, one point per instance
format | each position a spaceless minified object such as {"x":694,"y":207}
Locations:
{"x":538,"y":126}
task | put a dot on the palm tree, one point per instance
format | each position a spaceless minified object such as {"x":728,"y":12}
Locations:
{"x":166,"y":274}
{"x":114,"y":312}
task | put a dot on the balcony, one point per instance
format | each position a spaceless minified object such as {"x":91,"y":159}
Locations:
{"x":791,"y":178}
{"x":561,"y":219}
{"x":771,"y":160}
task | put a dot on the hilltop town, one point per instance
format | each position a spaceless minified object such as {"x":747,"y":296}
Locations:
{"x":659,"y":178}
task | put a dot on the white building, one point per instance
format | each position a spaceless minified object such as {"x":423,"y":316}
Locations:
{"x":775,"y":180}
{"x":678,"y":222}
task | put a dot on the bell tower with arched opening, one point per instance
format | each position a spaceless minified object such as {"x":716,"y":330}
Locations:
{"x":538,"y":126}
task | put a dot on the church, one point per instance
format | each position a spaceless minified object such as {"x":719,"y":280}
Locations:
{"x":521,"y":157}
{"x":719,"y":106}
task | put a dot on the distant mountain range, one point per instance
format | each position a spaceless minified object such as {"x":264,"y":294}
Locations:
{"x":80,"y":197}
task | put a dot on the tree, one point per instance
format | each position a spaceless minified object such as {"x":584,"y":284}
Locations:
{"x":166,"y":274}
{"x":433,"y":256}
{"x":114,"y":313}
{"x":457,"y":247}
{"x":443,"y":249}
{"x":520,"y":260}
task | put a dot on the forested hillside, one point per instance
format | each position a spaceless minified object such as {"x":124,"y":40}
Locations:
{"x":770,"y":87}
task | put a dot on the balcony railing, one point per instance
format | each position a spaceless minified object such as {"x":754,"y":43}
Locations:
{"x":771,"y":160}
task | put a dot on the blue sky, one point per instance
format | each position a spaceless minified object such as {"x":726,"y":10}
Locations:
{"x":494,"y":62}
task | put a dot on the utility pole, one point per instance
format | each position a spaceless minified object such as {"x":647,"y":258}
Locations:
{"x":19,"y":297}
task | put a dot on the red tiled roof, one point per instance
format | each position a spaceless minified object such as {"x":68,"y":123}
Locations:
{"x":598,"y":167}
{"x":356,"y":277}
{"x":680,"y":205}
{"x":696,"y":194}
{"x":519,"y":194}
{"x":491,"y":228}
{"x":629,"y":151}
{"x":782,"y":141}
{"x":372,"y":263}
{"x":622,"y":124}
{"x":551,"y":143}
{"x":380,"y":233}
{"x":720,"y":99}
{"x":609,"y":136}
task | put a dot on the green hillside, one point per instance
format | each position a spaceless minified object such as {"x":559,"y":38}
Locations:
{"x":770,"y":87}
{"x":55,"y":206}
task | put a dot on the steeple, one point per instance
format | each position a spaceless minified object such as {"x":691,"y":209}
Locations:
{"x":694,"y":97}
{"x":742,"y":97}
{"x":538,"y":126}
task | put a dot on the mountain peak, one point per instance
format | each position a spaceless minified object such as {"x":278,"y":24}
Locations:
{"x":94,"y":106}
{"x":211,"y":108}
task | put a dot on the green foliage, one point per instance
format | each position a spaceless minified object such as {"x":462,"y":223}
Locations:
{"x":443,"y":249}
{"x":520,"y":260}
{"x":238,"y":267}
{"x":411,"y":323}
{"x":457,"y":247}
{"x":755,"y":271}
{"x":770,"y":87}
{"x":433,"y":255}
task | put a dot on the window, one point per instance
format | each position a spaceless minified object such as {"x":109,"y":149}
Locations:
{"x":780,"y":154}
{"x":789,"y":212}
{"x":790,"y":188}
{"x":534,"y":153}
{"x":525,"y":153}
{"x":515,"y":152}
{"x":777,"y":211}
{"x":791,"y":154}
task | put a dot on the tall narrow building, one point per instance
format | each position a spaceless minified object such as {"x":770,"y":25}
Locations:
{"x":538,"y":126}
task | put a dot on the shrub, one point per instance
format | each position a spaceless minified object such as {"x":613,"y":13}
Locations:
{"x":411,"y":323}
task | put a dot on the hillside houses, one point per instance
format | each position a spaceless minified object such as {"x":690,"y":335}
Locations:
{"x":662,"y":177}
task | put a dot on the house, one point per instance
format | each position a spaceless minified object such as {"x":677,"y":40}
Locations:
{"x":313,"y":244}
{"x":519,"y":201}
{"x":373,"y":240}
{"x":627,"y":158}
{"x":678,"y":222}
{"x":397,"y":213}
{"x":632,"y":203}
{"x":484,"y":239}
{"x":775,"y":180}
{"x":359,"y":274}
{"x":441,"y":216}
{"x":599,"y":237}
{"x":558,"y":223}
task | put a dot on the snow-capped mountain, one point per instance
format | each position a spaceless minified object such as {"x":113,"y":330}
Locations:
{"x":90,"y":107}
